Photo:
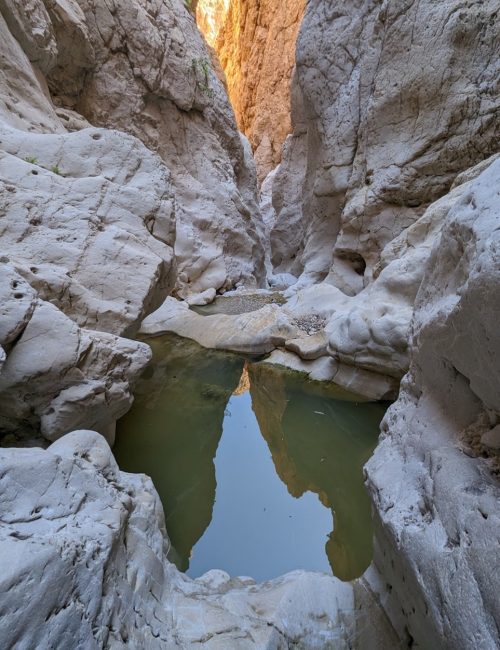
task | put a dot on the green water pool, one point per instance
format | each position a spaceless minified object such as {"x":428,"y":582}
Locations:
{"x":258,"y":470}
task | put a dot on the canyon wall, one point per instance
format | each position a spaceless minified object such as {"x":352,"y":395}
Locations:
{"x":433,"y":479}
{"x":390,"y":102}
{"x":396,"y":111}
{"x":210,"y":18}
{"x":387,"y":208}
{"x":256,"y":47}
{"x":99,"y":226}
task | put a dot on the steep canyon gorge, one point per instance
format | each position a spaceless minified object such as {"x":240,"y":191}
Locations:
{"x":314,"y":185}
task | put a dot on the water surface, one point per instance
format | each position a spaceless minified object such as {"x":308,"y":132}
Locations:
{"x":259,"y":471}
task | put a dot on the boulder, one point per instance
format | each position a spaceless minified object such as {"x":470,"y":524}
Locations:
{"x":89,"y":223}
{"x":57,"y":375}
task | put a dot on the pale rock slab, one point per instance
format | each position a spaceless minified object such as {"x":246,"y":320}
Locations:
{"x":256,"y":332}
{"x":17,"y":303}
{"x":293,"y":333}
{"x":89,"y":223}
{"x":366,"y":385}
{"x":434,"y":486}
{"x":203,"y":298}
{"x":371,"y":330}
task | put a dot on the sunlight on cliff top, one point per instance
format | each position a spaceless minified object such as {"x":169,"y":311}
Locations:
{"x":210,"y":16}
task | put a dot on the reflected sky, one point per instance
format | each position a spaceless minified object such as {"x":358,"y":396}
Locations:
{"x":254,"y":482}
{"x":257,"y":528}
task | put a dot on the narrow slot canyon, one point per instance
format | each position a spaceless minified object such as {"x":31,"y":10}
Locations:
{"x":249,"y":362}
{"x":255,"y":46}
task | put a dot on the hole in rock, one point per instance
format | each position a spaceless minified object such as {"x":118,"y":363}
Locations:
{"x":354,"y":259}
{"x":259,"y":471}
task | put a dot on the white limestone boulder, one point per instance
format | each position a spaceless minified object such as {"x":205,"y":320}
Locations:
{"x":57,"y":376}
{"x":88,"y":220}
{"x":433,"y":480}
{"x":255,"y":332}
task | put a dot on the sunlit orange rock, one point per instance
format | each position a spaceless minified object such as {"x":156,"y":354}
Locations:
{"x":255,"y":41}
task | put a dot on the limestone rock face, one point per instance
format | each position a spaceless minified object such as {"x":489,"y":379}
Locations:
{"x":30,"y":24}
{"x":392,"y":101}
{"x":96,"y":228}
{"x":152,"y":78}
{"x":56,"y":375}
{"x":372,"y":329}
{"x":256,"y":47}
{"x":88,"y":220}
{"x":434,"y":479}
{"x":146,"y":71}
{"x":88,"y":543}
{"x":87,"y":231}
{"x":24,"y":101}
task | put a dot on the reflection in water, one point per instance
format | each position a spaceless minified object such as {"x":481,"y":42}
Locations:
{"x":255,"y":523}
{"x":321,"y":444}
{"x":173,"y":431}
{"x":257,"y":528}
